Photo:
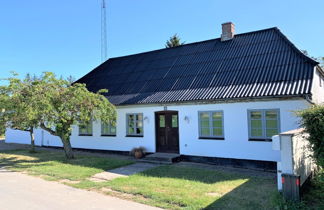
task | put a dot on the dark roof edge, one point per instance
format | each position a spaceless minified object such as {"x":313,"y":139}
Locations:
{"x":311,"y":60}
{"x":227,"y":100}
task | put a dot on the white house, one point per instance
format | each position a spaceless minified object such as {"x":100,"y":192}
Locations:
{"x":221,"y":99}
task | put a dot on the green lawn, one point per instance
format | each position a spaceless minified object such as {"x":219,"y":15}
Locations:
{"x":52,"y":165}
{"x":191,"y":188}
{"x":172,"y":186}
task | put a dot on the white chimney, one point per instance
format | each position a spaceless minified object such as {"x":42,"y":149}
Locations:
{"x":228,"y":31}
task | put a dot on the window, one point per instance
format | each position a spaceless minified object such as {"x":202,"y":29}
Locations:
{"x":263,"y":124}
{"x":135,"y":124}
{"x":211,"y":125}
{"x":85,"y":129}
{"x":108,"y":129}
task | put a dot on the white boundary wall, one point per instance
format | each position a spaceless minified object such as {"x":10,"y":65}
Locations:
{"x":235,"y":145}
{"x":295,"y":155}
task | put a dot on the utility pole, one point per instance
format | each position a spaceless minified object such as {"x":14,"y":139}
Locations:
{"x":103,"y":32}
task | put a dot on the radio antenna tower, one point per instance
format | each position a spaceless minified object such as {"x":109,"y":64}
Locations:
{"x":103,"y":32}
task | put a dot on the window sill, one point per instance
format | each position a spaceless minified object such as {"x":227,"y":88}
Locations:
{"x":85,"y":134}
{"x":107,"y":135}
{"x":211,"y":138}
{"x":134,"y":136}
{"x":264,"y":140}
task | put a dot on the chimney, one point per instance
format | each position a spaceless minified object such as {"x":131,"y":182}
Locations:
{"x":228,"y":31}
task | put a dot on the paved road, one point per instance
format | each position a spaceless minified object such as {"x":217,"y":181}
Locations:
{"x":19,"y":191}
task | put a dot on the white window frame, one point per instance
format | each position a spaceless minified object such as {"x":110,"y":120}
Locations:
{"x":90,"y":123}
{"x":211,"y":136}
{"x":264,"y":127}
{"x":135,"y":127}
{"x":110,"y":126}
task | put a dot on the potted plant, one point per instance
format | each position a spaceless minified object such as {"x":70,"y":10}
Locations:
{"x":138,"y":152}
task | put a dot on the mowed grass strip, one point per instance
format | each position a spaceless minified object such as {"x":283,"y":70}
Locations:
{"x":53,"y":165}
{"x":179,"y":187}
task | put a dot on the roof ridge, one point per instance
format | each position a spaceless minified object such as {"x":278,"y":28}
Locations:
{"x":192,"y":43}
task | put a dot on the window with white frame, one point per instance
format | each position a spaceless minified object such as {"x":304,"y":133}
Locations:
{"x":134,"y":124}
{"x":85,"y":129}
{"x":263,"y":124}
{"x":211,"y":125}
{"x":108,"y":129}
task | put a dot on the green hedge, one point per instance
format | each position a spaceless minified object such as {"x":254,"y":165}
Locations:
{"x":312,"y":120}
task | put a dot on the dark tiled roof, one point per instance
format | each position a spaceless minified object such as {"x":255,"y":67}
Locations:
{"x":257,"y":64}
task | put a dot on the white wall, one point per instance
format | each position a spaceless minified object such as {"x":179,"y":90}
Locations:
{"x":295,"y":155}
{"x":235,"y":145}
{"x":317,"y":89}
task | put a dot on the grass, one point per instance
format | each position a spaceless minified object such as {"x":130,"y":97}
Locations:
{"x":52,"y":165}
{"x":312,"y":196}
{"x":179,"y":187}
{"x":172,"y":187}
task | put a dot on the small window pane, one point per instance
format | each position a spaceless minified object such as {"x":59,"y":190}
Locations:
{"x":139,"y":117}
{"x":271,"y":132}
{"x":204,"y":123}
{"x":113,"y":130}
{"x":217,"y":131}
{"x":131,"y":130}
{"x":217,"y":116}
{"x":204,"y":116}
{"x":256,"y":124}
{"x":217,"y":123}
{"x":271,"y":114}
{"x":174,"y":121}
{"x":139,"y":130}
{"x":256,"y":115}
{"x":272,"y":124}
{"x":162,"y":121}
{"x":85,"y":129}
{"x":256,"y":133}
{"x":205,"y":131}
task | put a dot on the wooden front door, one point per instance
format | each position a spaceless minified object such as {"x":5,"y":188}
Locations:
{"x":167,"y":132}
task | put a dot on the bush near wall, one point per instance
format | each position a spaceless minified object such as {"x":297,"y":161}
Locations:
{"x":312,"y":120}
{"x":2,"y":130}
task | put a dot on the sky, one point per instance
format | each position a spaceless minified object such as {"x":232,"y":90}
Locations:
{"x":64,"y":36}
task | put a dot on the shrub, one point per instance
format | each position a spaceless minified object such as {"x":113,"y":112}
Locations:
{"x":312,"y":119}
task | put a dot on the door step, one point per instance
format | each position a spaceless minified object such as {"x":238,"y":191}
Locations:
{"x":161,"y":158}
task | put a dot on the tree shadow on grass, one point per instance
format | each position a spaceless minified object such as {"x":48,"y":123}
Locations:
{"x":250,"y":192}
{"x":22,"y":159}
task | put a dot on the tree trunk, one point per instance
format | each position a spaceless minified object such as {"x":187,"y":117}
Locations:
{"x":67,"y":147}
{"x":32,"y":140}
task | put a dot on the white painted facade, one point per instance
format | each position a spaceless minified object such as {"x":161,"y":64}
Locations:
{"x":235,"y":145}
{"x":318,"y":87}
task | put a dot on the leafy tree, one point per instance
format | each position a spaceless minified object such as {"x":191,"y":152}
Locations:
{"x":174,"y":41}
{"x":312,"y":119}
{"x":70,"y":104}
{"x":20,"y":110}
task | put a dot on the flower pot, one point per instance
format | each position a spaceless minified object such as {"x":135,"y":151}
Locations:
{"x":138,"y":154}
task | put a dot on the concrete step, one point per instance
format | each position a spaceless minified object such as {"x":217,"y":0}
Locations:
{"x":161,"y":158}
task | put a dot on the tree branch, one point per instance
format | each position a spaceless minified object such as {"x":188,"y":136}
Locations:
{"x":43,"y":126}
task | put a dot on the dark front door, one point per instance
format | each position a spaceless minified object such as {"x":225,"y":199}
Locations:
{"x":167,"y":132}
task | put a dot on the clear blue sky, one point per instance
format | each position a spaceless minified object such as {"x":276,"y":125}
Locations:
{"x":64,"y":36}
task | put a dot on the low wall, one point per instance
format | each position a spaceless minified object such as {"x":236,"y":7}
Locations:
{"x":295,"y":155}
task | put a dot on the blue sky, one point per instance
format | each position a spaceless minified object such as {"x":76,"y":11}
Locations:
{"x":64,"y":36}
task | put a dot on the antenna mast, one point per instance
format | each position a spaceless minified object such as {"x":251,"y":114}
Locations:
{"x":103,"y":32}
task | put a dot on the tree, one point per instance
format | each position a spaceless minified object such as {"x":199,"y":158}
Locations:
{"x":312,"y":119}
{"x":70,"y":104}
{"x":20,"y":110}
{"x":174,"y":41}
